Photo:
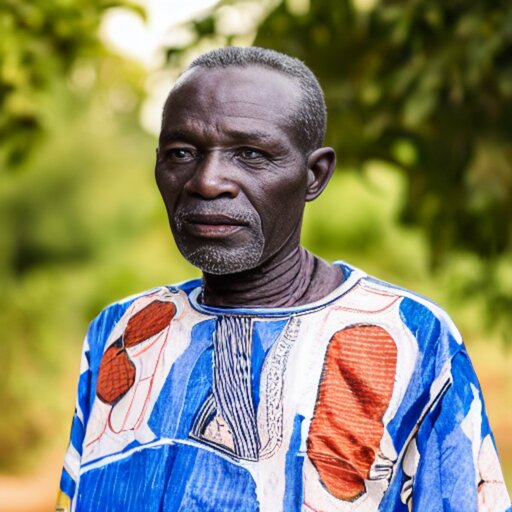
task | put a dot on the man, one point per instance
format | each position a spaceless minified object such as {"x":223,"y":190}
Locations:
{"x":278,"y":382}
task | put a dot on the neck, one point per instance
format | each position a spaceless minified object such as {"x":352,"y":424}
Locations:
{"x":298,"y":279}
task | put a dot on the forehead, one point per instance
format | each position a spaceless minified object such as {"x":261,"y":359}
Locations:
{"x":239,"y":97}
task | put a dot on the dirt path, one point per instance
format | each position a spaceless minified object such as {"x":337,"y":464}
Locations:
{"x":35,"y":491}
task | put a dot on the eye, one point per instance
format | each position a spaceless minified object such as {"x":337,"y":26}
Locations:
{"x":180,"y":154}
{"x":251,"y":154}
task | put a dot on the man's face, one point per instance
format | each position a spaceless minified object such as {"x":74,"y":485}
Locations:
{"x":230,"y":173}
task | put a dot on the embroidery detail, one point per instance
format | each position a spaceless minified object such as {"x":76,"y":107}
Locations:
{"x":227,"y":419}
{"x":271,"y":410}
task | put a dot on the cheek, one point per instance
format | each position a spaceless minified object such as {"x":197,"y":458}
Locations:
{"x":160,"y":179}
{"x":283,"y":208}
{"x":289,"y":197}
{"x":167,"y":185}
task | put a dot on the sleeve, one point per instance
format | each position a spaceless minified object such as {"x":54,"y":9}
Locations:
{"x":457,"y":466}
{"x":71,"y":469}
{"x":96,"y":339}
{"x":92,"y":353}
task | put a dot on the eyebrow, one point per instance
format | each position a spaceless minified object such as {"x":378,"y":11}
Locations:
{"x":187,"y":136}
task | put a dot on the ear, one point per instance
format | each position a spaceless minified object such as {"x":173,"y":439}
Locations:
{"x":320,"y":164}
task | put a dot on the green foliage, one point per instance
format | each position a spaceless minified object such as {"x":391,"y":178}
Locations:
{"x":41,"y":40}
{"x":60,"y":219}
{"x":57,"y":221}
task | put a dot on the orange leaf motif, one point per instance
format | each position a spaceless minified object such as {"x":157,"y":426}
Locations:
{"x":356,"y":387}
{"x":148,"y":321}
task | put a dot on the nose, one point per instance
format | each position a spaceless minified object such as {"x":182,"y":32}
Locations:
{"x":212,"y":178}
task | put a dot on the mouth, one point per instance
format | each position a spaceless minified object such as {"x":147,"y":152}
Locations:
{"x":212,"y":225}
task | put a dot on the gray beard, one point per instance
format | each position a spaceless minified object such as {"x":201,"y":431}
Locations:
{"x":215,"y":258}
{"x":220,"y":261}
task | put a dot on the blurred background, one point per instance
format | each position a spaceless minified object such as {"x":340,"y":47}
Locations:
{"x":419,"y":94}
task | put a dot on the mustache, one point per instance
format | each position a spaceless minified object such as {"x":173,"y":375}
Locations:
{"x":237,"y":214}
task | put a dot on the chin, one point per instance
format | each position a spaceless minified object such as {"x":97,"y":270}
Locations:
{"x":223,"y":262}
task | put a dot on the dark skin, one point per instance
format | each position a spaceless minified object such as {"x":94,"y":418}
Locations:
{"x":234,"y":181}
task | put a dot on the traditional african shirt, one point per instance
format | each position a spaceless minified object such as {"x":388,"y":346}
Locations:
{"x":363,"y":401}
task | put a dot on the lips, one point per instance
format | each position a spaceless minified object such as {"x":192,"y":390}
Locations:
{"x":212,"y":225}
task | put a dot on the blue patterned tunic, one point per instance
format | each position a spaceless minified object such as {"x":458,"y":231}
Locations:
{"x":363,"y":401}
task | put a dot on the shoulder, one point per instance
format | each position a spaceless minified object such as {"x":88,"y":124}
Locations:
{"x":107,"y":321}
{"x":430,"y":325}
{"x":416,"y":310}
{"x":439,"y":359}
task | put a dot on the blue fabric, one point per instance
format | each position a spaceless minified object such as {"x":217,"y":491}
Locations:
{"x":189,"y":382}
{"x":170,"y":478}
{"x":67,"y":484}
{"x":436,"y":431}
{"x":294,"y":492}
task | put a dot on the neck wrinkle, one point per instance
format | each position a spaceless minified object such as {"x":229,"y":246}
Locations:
{"x":281,"y":284}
